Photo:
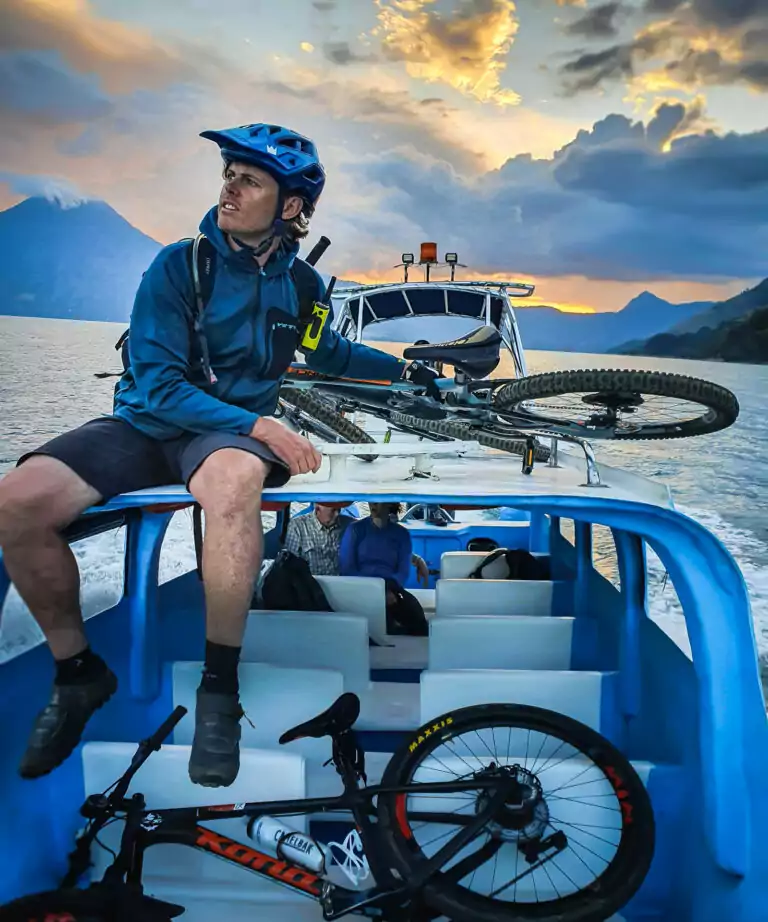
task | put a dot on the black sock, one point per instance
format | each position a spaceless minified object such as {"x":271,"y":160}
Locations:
{"x":220,"y":671}
{"x":82,"y":667}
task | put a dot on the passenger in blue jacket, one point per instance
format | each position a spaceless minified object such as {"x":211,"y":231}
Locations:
{"x":380,"y":546}
{"x":176,"y":419}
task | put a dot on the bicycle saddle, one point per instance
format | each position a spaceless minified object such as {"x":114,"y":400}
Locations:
{"x":339,"y":717}
{"x":476,"y":354}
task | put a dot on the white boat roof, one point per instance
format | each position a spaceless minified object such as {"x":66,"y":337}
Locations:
{"x":456,"y":472}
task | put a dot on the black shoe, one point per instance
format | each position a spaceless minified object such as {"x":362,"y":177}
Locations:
{"x":59,"y":726}
{"x":215,"y":758}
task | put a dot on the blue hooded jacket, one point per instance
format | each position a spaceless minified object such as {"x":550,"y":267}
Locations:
{"x":249,"y":323}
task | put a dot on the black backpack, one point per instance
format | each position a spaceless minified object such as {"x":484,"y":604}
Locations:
{"x":202,"y":265}
{"x":290,"y":586}
{"x":521,"y":564}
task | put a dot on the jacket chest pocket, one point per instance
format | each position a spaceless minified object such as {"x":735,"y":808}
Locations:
{"x":282,"y":339}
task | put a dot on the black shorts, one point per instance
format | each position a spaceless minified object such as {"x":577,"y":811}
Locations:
{"x":114,"y":457}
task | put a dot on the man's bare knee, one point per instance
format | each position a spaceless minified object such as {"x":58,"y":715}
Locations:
{"x":229,"y":483}
{"x":41,"y":494}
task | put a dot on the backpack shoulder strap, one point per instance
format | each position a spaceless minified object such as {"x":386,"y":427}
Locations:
{"x":308,"y":287}
{"x":202,"y":258}
{"x":494,"y":555}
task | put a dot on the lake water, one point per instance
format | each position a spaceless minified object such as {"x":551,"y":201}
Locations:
{"x":47,"y":386}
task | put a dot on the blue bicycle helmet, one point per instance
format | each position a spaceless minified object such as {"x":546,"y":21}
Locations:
{"x":287,"y":156}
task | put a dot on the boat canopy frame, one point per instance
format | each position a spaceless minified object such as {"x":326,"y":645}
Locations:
{"x":487,"y":301}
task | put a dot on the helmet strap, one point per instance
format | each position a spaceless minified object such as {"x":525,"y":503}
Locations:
{"x":279,"y":229}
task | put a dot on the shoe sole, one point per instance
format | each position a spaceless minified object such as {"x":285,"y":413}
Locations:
{"x":30,"y":775}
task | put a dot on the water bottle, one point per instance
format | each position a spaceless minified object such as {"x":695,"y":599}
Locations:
{"x":289,"y":844}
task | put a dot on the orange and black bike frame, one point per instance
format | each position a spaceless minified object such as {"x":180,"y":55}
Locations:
{"x":180,"y":826}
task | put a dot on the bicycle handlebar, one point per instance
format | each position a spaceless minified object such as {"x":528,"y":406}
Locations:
{"x":154,"y":742}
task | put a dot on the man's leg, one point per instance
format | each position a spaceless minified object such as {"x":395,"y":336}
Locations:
{"x":38,"y":500}
{"x":228,"y":486}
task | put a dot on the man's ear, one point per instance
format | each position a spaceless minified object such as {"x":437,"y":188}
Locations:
{"x":292,"y":207}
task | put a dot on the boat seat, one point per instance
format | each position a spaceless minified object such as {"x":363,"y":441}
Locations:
{"x":274,"y":699}
{"x":426,"y":598}
{"x":311,"y":640}
{"x":402,"y":652}
{"x":589,"y":697}
{"x":476,"y":354}
{"x":362,"y":595}
{"x":459,"y":564}
{"x":500,"y":642}
{"x":184,"y":875}
{"x":457,"y":597}
{"x":339,"y":642}
{"x":333,"y":721}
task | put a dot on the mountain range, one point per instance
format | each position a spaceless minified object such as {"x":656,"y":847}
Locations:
{"x":84,"y":262}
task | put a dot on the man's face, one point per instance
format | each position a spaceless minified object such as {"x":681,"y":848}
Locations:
{"x":326,"y":515}
{"x":248,"y":201}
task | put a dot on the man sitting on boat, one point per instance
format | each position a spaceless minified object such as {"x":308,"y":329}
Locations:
{"x":380,"y":546}
{"x":195,"y":406}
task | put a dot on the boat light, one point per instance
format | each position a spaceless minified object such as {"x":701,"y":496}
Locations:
{"x":452,"y":258}
{"x":428,"y":253}
{"x":407,"y":259}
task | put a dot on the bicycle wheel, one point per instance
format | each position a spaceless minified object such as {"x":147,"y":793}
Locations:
{"x":600,"y":404}
{"x":56,"y":906}
{"x":578,"y":851}
{"x":325,"y":413}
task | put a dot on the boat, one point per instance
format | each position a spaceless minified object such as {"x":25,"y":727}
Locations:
{"x":578,"y":643}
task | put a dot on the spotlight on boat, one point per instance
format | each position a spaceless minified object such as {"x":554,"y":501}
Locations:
{"x":452,"y":260}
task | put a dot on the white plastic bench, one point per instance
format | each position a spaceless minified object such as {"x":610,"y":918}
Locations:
{"x":185,"y":875}
{"x":339,"y":642}
{"x":576,"y":694}
{"x":313,"y":640}
{"x":359,"y":595}
{"x":275,"y":698}
{"x":459,"y":564}
{"x":459,"y":597}
{"x":499,"y":642}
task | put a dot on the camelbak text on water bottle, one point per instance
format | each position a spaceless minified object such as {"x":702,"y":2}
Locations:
{"x":289,"y":844}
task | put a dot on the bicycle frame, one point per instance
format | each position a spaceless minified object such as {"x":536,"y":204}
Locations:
{"x":179,"y":826}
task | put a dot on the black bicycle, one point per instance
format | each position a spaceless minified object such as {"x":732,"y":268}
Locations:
{"x":491,"y":813}
{"x":503,"y":413}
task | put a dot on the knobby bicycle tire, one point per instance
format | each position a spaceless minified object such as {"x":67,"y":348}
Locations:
{"x":70,"y":905}
{"x":722,"y":405}
{"x":323,"y":411}
{"x":467,"y":432}
{"x":608,"y":893}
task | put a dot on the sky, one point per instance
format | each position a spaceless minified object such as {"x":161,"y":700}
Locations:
{"x":595,"y":149}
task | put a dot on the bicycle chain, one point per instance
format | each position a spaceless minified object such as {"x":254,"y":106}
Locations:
{"x":467,"y":433}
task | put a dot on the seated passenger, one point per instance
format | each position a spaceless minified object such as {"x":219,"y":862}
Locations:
{"x":316,"y":537}
{"x":379,"y":546}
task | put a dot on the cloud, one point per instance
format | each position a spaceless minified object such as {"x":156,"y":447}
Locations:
{"x":611,"y":204}
{"x":702,"y":43}
{"x":38,"y":84}
{"x":324,"y":6}
{"x":598,"y":22}
{"x":123,"y":57}
{"x":465,"y":50}
{"x":724,"y":14}
{"x":54,"y":188}
{"x":342,"y":53}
